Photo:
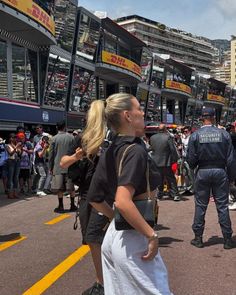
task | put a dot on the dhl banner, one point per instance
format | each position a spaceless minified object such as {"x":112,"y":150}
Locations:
{"x":177,"y":86}
{"x":217,"y":98}
{"x":121,"y":62}
{"x":34,"y":11}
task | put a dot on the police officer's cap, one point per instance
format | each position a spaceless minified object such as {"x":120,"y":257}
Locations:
{"x":208,"y":112}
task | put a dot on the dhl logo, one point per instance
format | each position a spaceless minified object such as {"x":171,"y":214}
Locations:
{"x":121,"y":62}
{"x":33,"y":10}
{"x":178,"y":86}
{"x":118,"y":60}
{"x":40,"y":15}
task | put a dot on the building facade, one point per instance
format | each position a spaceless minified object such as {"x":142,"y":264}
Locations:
{"x":233,"y":61}
{"x":196,"y":52}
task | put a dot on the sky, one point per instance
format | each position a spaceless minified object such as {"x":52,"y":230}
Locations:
{"x":214,"y":19}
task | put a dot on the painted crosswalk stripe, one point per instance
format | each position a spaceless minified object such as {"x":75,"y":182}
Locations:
{"x":57,"y":219}
{"x":8,"y":244}
{"x":42,"y":285}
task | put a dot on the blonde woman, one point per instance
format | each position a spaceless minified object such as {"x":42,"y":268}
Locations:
{"x":130,"y":258}
{"x":93,"y":224}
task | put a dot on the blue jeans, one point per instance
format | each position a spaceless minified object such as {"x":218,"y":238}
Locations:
{"x":40,"y":177}
{"x":13,"y":174}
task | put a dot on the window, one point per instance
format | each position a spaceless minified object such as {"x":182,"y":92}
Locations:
{"x":3,"y":69}
{"x":83,"y":90}
{"x":87,"y":38}
{"x":24,"y":74}
{"x":65,"y":15}
{"x":57,"y":81}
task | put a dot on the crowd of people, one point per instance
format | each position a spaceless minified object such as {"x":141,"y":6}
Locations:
{"x":114,"y":169}
{"x":29,"y":164}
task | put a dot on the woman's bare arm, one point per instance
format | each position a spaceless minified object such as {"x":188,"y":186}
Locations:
{"x":67,"y":161}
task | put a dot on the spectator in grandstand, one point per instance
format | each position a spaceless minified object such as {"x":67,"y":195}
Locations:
{"x":3,"y":164}
{"x":60,"y":182}
{"x":131,"y":261}
{"x":14,"y":150}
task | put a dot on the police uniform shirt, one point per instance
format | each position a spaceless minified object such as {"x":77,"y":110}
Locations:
{"x":105,"y":179}
{"x":210,"y":147}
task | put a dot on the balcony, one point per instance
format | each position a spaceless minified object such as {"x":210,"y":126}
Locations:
{"x":28,"y":21}
{"x":176,"y":90}
{"x":111,"y":66}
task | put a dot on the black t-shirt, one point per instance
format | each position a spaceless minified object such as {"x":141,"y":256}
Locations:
{"x":105,"y":180}
{"x":89,"y":168}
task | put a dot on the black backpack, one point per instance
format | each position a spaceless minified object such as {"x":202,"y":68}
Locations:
{"x":77,"y":171}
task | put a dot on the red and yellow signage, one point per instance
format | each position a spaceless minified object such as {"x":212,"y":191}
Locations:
{"x":34,"y":11}
{"x":216,"y":98}
{"x":121,"y":62}
{"x":178,"y":86}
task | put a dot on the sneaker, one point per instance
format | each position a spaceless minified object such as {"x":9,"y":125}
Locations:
{"x":41,"y":193}
{"x":59,"y":209}
{"x":232,"y":206}
{"x":73,"y":208}
{"x":47,"y":191}
{"x":96,"y":289}
{"x":187,"y":193}
{"x":177,"y":198}
{"x":197,"y":242}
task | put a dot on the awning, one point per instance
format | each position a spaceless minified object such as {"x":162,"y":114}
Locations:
{"x":23,"y":27}
{"x":115,"y":74}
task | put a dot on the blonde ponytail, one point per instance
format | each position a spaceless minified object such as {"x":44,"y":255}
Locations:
{"x":95,"y":130}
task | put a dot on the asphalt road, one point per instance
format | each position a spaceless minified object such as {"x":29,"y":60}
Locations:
{"x":48,"y":258}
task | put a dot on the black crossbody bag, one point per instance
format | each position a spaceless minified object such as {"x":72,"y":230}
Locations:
{"x":147,"y":207}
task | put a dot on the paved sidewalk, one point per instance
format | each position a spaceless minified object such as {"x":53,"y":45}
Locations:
{"x":193,"y":271}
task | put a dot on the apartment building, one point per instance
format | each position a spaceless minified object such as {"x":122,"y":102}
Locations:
{"x":233,"y":61}
{"x":196,"y":52}
{"x":222,"y":70}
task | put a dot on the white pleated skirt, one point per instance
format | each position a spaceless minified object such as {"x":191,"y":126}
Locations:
{"x":125,"y":272}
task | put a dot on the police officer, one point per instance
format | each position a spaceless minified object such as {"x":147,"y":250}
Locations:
{"x":210,"y":152}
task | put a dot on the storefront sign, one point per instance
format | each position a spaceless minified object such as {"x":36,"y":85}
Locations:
{"x":217,"y":98}
{"x":120,"y":62}
{"x":34,"y":11}
{"x":45,"y":116}
{"x":178,"y":86}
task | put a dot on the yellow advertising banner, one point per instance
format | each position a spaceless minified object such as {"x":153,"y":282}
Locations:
{"x":34,"y":11}
{"x":178,"y":86}
{"x":121,"y":62}
{"x":217,"y":98}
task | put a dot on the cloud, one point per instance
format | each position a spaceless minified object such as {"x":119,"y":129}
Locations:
{"x":227,"y":8}
{"x":122,"y":10}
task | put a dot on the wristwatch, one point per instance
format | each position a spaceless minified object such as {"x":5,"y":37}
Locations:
{"x":154,"y":236}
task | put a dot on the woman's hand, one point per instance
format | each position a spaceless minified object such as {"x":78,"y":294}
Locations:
{"x":79,"y":153}
{"x":152,"y":250}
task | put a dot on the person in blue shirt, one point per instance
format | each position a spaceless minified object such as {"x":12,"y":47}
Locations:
{"x":210,"y":152}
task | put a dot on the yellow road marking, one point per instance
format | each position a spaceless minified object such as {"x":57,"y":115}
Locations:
{"x":42,"y":285}
{"x":8,"y":244}
{"x":57,"y":219}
